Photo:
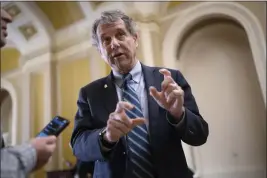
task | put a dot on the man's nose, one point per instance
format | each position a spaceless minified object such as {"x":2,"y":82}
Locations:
{"x":114,"y":43}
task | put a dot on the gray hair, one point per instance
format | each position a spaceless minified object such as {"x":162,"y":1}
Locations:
{"x":112,"y":16}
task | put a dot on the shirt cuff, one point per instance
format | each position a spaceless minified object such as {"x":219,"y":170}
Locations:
{"x":173,"y":121}
{"x":106,"y":149}
{"x":102,"y":145}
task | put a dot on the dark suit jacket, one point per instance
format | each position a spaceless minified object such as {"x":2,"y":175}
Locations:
{"x":96,"y":102}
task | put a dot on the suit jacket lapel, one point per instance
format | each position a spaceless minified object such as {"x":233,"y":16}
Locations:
{"x":153,"y":107}
{"x":111,"y":98}
{"x":110,"y":94}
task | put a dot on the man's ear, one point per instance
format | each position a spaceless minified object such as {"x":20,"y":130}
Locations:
{"x":136,"y":37}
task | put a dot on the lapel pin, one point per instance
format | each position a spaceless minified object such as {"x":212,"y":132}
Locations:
{"x":105,"y":86}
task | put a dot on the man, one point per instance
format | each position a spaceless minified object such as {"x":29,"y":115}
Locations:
{"x":19,"y":161}
{"x":131,"y":123}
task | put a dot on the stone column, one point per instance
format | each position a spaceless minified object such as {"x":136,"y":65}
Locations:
{"x":26,"y":107}
{"x":149,"y":42}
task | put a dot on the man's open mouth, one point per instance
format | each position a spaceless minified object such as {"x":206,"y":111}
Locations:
{"x":118,"y":55}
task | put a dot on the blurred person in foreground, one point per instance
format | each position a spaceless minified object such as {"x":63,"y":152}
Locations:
{"x":130,"y":124}
{"x":19,"y":161}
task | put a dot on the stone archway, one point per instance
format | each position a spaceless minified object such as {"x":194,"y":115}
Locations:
{"x":11,"y":90}
{"x":209,"y":10}
{"x":205,"y":10}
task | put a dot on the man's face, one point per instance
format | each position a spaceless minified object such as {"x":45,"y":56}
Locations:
{"x":5,"y":19}
{"x":117,"y":46}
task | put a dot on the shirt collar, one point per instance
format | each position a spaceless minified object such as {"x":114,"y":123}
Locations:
{"x":136,"y":73}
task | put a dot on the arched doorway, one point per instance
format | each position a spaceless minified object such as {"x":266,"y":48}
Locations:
{"x":216,"y":59}
{"x":6,"y":115}
{"x":233,"y":10}
{"x":8,"y":86}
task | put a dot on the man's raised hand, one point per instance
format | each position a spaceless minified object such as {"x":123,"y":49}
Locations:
{"x":119,"y":124}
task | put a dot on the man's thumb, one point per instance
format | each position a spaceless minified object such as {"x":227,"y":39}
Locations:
{"x":51,"y":139}
{"x":154,"y":93}
{"x":137,"y":121}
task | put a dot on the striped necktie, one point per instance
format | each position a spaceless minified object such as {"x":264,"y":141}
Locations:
{"x":138,"y":141}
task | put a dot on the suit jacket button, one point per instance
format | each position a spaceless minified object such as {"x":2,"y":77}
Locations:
{"x":124,"y":153}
